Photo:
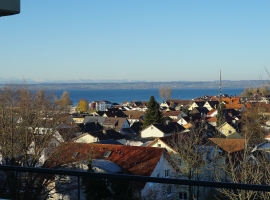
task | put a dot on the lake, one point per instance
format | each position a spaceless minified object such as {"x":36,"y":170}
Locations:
{"x":120,"y":95}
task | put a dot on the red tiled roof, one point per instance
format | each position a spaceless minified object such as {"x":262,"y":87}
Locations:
{"x":132,"y":159}
{"x":211,"y":111}
{"x":234,"y":106}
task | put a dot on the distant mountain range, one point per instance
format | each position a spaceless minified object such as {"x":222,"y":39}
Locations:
{"x":128,"y":84}
{"x":44,"y":81}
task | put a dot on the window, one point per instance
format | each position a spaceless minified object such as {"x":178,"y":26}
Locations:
{"x":158,"y":175}
{"x":107,"y":154}
{"x":169,"y":190}
{"x":166,"y":173}
{"x":75,"y":154}
{"x":159,"y":145}
{"x":182,"y":196}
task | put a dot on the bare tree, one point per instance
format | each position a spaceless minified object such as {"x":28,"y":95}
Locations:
{"x":65,"y":99}
{"x":27,"y":122}
{"x":165,"y":93}
{"x":191,"y":159}
{"x":243,"y":167}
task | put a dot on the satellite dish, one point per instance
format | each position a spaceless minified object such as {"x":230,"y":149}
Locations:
{"x":9,"y":7}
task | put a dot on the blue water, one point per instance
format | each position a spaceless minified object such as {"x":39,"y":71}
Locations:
{"x":120,"y":95}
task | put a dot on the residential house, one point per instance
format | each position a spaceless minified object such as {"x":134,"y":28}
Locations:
{"x":228,"y":131}
{"x":142,"y":161}
{"x":199,"y":111}
{"x":119,"y":124}
{"x":211,"y":105}
{"x":200,"y":167}
{"x":212,"y":113}
{"x":89,"y":127}
{"x":78,"y":120}
{"x":227,"y":146}
{"x":97,"y":119}
{"x":196,"y":104}
{"x":126,"y":103}
{"x":133,"y":115}
{"x":212,"y":121}
{"x":184,"y":120}
{"x":101,"y":135}
{"x":100,"y":105}
{"x":139,"y":141}
{"x":114,"y":112}
{"x":174,"y":114}
{"x":46,"y":143}
{"x":161,"y":130}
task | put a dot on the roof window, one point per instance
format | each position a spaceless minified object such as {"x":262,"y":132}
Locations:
{"x":75,"y":154}
{"x":107,"y":154}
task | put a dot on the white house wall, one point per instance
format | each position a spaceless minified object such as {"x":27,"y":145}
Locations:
{"x":158,"y":191}
{"x":86,"y":139}
{"x":151,"y":131}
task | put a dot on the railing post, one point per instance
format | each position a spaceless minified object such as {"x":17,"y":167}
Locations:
{"x":79,"y":187}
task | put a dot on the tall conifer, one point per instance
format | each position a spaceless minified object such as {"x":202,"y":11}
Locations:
{"x":152,"y":114}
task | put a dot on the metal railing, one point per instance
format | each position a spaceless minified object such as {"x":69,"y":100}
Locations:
{"x":176,"y":181}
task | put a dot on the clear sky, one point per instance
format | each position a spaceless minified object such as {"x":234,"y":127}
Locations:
{"x":151,"y":40}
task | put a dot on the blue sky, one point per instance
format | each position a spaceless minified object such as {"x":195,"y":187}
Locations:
{"x":151,"y":40}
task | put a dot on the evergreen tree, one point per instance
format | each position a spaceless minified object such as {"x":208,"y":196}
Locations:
{"x":152,"y":114}
{"x":95,"y":188}
{"x":220,"y":116}
{"x":106,"y":189}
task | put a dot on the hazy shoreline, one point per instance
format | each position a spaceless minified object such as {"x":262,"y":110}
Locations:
{"x":149,"y":85}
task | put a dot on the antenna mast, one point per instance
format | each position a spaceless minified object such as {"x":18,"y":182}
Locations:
{"x":220,"y":84}
{"x":220,"y":113}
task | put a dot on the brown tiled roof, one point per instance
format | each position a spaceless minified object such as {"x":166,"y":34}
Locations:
{"x":132,"y":159}
{"x":117,"y":122}
{"x":212,"y":119}
{"x":134,"y":114}
{"x":171,"y":113}
{"x":229,"y":145}
{"x":180,"y":102}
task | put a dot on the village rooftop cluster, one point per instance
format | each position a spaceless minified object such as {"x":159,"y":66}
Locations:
{"x":207,"y":138}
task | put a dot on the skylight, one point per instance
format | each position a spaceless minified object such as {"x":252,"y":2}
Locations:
{"x":107,"y":154}
{"x":75,"y":154}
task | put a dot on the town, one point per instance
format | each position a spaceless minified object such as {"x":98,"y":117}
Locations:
{"x":212,"y":138}
{"x":87,"y":109}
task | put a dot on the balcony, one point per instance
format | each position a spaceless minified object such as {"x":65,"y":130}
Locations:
{"x":174,"y":181}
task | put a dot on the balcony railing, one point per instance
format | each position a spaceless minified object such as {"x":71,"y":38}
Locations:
{"x":175,"y":181}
